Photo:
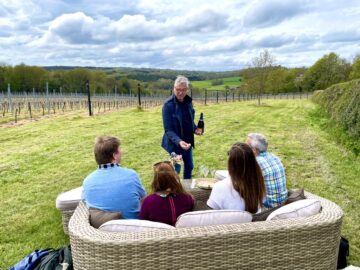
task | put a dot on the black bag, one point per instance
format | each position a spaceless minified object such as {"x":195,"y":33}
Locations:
{"x":59,"y":259}
{"x":31,"y":260}
{"x":343,"y":253}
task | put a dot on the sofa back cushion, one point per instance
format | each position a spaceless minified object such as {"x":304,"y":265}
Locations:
{"x":295,"y":195}
{"x":133,"y":225}
{"x":303,"y":208}
{"x":99,"y":217}
{"x":212,"y":217}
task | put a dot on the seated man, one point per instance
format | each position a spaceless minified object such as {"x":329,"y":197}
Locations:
{"x":272,"y":169}
{"x":112,"y":187}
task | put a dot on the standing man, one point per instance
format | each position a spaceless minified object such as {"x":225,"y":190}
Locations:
{"x":272,"y":169}
{"x":179,"y":127}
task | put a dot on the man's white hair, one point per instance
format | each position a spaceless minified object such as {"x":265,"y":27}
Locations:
{"x":258,"y":141}
{"x":181,"y":80}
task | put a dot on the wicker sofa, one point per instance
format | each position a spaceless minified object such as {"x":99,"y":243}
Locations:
{"x":298,"y":243}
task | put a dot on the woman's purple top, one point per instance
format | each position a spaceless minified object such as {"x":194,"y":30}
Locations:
{"x":165,"y":209}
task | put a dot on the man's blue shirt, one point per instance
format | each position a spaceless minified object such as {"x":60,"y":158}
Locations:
{"x":114,"y":189}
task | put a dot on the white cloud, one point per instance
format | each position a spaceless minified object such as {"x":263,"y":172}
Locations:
{"x":268,"y":12}
{"x":203,"y":34}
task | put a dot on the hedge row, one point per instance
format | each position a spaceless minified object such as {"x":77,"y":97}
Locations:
{"x":342,"y":102}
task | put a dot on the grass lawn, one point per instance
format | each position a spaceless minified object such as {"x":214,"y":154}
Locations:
{"x":41,"y":159}
{"x":232,"y":82}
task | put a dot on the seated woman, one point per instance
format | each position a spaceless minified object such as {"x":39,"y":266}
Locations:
{"x":169,"y":199}
{"x":244,"y":189}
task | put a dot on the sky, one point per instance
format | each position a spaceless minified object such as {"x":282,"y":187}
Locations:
{"x":217,"y":35}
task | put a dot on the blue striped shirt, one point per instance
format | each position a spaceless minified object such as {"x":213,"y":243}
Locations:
{"x":275,"y":180}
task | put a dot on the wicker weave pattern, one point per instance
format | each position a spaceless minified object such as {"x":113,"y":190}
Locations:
{"x":199,"y":195}
{"x":66,"y":215}
{"x":301,"y":243}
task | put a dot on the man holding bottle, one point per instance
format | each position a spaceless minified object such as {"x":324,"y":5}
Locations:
{"x":179,"y":127}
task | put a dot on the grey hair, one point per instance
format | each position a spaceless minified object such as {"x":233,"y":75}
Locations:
{"x":180,"y":80}
{"x":258,"y":141}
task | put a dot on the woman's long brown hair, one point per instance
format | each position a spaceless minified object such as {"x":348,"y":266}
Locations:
{"x":166,"y":178}
{"x":246,"y":176}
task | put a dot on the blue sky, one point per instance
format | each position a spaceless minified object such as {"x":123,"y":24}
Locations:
{"x":185,"y":34}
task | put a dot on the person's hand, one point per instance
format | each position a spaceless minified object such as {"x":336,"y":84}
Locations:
{"x":185,"y":145}
{"x":198,"y":131}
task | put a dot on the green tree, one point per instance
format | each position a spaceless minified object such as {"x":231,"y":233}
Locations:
{"x":328,"y":70}
{"x":355,"y":69}
{"x":75,"y":79}
{"x":25,"y":78}
{"x":5,"y":72}
{"x":98,"y":82}
{"x":261,"y":65}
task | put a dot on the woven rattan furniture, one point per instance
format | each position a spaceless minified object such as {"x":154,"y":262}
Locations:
{"x":299,"y":243}
{"x":67,"y":202}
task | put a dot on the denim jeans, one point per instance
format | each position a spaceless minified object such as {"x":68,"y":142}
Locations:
{"x":188,"y":163}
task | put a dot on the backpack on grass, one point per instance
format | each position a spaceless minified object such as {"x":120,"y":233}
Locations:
{"x":343,"y":253}
{"x":59,"y":259}
{"x":31,"y":260}
{"x":46,"y":259}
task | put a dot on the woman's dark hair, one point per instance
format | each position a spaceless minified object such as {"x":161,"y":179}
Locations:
{"x":166,"y":178}
{"x":246,"y":176}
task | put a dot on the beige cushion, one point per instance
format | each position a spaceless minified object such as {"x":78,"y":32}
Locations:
{"x":221,"y":174}
{"x":134,"y":225}
{"x":303,"y":208}
{"x":212,"y":217}
{"x":69,"y":200}
{"x":99,"y":217}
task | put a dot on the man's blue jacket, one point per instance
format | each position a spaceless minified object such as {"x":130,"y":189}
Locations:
{"x":172,"y":121}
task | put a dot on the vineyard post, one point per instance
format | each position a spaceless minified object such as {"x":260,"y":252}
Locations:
{"x":205,"y":95}
{"x":139,"y":97}
{"x":9,"y":97}
{"x":47,"y":97}
{"x":89,"y":98}
{"x":29,"y":107}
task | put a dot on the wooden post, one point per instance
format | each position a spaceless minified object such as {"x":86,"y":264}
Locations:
{"x":9,"y":97}
{"x":47,"y":97}
{"x":217,"y":96}
{"x":205,"y":95}
{"x":89,"y":97}
{"x":139,"y":96}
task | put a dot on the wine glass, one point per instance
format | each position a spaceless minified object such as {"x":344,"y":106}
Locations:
{"x":206,"y":171}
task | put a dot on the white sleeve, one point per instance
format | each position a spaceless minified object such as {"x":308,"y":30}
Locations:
{"x":214,"y":200}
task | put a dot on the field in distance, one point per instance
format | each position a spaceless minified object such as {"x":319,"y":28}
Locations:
{"x":232,"y":82}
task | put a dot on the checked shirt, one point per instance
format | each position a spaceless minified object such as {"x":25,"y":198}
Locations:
{"x":274,"y":177}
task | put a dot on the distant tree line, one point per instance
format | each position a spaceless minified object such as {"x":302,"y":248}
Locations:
{"x":23,"y":78}
{"x":263,"y":76}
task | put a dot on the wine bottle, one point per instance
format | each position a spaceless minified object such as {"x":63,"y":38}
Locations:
{"x":201,"y":124}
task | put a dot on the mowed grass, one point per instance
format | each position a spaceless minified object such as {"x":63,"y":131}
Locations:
{"x":41,"y":159}
{"x":232,"y":82}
